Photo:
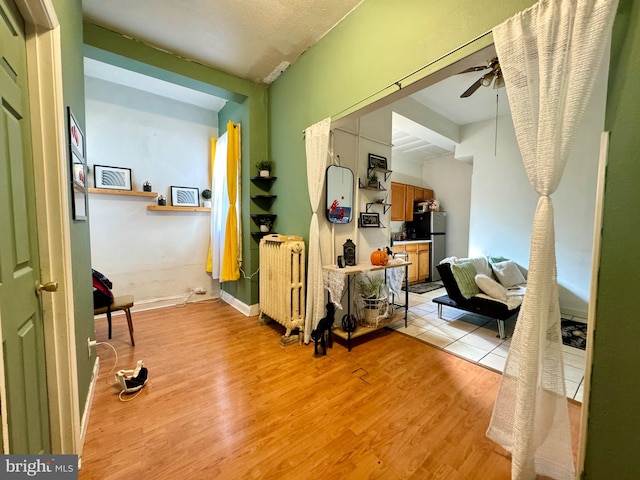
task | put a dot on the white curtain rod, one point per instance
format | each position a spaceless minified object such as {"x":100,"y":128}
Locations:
{"x":398,"y":83}
{"x":362,"y":136}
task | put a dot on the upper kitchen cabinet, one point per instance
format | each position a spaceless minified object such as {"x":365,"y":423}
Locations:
{"x":403,"y":197}
{"x":398,"y":193}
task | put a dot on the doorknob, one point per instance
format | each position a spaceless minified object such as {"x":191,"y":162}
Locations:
{"x":47,"y":287}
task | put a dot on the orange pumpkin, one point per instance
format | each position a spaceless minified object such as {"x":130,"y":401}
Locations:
{"x":379,"y":257}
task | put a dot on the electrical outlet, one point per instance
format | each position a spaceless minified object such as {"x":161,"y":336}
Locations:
{"x":90,"y":344}
{"x":200,"y":291}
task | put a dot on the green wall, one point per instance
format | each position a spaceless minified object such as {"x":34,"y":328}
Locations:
{"x":247,"y":105}
{"x":614,"y":416}
{"x":70,"y":17}
{"x":377,"y":44}
{"x":382,"y":41}
{"x":245,"y":288}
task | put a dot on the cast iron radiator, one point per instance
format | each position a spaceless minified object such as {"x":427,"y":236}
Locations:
{"x":282,"y":277}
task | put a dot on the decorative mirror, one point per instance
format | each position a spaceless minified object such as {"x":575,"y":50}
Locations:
{"x":339,"y":194}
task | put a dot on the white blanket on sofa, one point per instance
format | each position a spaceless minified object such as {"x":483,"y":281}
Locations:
{"x":514,"y":297}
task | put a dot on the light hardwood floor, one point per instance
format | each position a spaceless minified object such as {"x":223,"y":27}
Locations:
{"x":224,"y":400}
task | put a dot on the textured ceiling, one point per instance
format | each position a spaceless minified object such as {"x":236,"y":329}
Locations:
{"x":250,"y":39}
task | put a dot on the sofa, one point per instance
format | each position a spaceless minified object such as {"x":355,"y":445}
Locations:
{"x":492,"y":287}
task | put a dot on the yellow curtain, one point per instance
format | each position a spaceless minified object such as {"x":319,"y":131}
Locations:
{"x":230,"y":266}
{"x":209,"y":267}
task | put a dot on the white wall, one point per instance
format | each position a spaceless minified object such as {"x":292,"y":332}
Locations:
{"x":503,"y":202}
{"x":159,"y":257}
{"x":353,"y":152}
{"x":450,"y":180}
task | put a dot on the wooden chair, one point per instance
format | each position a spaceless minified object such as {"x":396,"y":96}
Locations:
{"x":124,"y":302}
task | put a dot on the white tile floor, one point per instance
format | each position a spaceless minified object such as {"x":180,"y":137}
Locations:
{"x":474,"y":337}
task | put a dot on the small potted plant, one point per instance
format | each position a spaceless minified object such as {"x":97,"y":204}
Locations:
{"x":373,"y":299}
{"x":146,"y":187}
{"x":372,"y":180}
{"x":162,"y":201}
{"x":264,"y":167}
{"x":206,"y":194}
{"x":266,"y":224}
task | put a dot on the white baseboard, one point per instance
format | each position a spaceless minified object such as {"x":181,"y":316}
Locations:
{"x":574,"y":313}
{"x":247,"y":310}
{"x":84,"y":425}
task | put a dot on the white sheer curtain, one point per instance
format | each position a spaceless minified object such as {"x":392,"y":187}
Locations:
{"x":317,"y":148}
{"x":219,"y":205}
{"x":548,"y":55}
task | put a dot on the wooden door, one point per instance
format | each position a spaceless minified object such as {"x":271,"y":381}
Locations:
{"x":419,"y":194}
{"x":408,"y":202}
{"x":397,"y":201}
{"x":20,"y":309}
{"x":423,"y":261}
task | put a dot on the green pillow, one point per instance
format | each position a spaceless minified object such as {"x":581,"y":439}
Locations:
{"x":493,"y":260}
{"x":465,"y":275}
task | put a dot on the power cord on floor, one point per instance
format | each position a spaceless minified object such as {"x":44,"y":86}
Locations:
{"x":185,"y":302}
{"x":115,"y":363}
{"x":244,"y":275}
{"x":115,"y":352}
{"x":130,"y":398}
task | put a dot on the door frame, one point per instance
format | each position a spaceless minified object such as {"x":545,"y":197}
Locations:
{"x":46,"y":108}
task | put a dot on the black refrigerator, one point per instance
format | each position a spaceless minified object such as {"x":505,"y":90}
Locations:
{"x":431,"y":226}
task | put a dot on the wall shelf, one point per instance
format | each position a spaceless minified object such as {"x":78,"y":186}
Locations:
{"x":380,"y":225}
{"x":259,"y":218}
{"x":386,"y":206}
{"x":130,"y":193}
{"x":378,"y":188}
{"x":380,"y":170}
{"x":261,"y":181}
{"x":161,"y":208}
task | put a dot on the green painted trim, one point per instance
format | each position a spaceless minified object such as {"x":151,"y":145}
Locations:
{"x":135,"y":51}
{"x":613,"y":406}
{"x":156,"y":72}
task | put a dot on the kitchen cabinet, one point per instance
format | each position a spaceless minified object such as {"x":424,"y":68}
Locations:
{"x":422,"y":194}
{"x":397,"y":201}
{"x":423,"y":261}
{"x":418,"y":256}
{"x":403,"y":197}
{"x":408,"y":202}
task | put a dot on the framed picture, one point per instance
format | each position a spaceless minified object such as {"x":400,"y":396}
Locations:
{"x":376,"y":161}
{"x":78,"y":168}
{"x":76,"y":137}
{"x":185,"y":197}
{"x":369,"y":219}
{"x":116,"y":178}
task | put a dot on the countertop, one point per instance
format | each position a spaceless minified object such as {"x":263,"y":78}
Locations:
{"x":406,"y":242}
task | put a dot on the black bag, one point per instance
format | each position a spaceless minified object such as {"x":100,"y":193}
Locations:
{"x":102,"y":294}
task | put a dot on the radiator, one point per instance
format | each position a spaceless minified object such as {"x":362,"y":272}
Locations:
{"x":282,"y":278}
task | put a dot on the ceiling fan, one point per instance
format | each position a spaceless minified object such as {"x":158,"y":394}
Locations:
{"x":485,"y":80}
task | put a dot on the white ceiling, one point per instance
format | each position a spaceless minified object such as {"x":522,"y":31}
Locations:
{"x":417,"y":143}
{"x":257,"y":40}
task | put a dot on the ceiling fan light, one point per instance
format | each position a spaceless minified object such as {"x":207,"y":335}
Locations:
{"x":486,"y":80}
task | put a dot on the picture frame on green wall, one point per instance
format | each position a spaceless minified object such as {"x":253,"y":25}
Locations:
{"x":78,"y":167}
